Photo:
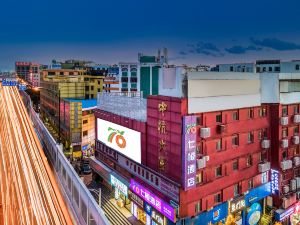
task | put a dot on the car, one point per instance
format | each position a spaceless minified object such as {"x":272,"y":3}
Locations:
{"x":86,"y":169}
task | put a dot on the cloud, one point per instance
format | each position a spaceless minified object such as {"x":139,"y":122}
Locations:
{"x":204,"y":48}
{"x":238,"y":49}
{"x":275,"y":44}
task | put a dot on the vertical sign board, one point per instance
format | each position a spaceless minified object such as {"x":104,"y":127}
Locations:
{"x":275,"y":182}
{"x":189,"y":152}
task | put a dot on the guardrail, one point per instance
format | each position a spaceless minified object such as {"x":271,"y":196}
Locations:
{"x":86,"y":208}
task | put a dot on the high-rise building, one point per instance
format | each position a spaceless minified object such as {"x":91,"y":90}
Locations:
{"x":29,"y":72}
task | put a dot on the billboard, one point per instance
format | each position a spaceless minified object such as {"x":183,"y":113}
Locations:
{"x":122,"y":139}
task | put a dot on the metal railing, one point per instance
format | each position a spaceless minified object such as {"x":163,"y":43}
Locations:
{"x":82,"y":202}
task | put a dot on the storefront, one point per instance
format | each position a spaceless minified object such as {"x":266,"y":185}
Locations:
{"x":216,"y":216}
{"x":148,"y":208}
{"x":236,"y":207}
{"x":120,"y":187}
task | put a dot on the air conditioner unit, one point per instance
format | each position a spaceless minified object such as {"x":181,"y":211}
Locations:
{"x":287,"y":164}
{"x":206,"y":158}
{"x":221,"y":128}
{"x":293,"y":184}
{"x":298,"y":182}
{"x":284,"y":143}
{"x":285,"y":189}
{"x":263,"y":167}
{"x":265,"y":144}
{"x":296,"y":161}
{"x":296,"y":118}
{"x":284,"y":121}
{"x":295,"y":140}
{"x":205,"y":132}
{"x":285,"y":203}
{"x":201,"y":163}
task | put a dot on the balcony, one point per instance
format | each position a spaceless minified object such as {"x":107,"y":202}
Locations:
{"x":284,"y":121}
{"x":284,"y":143}
{"x":263,"y":167}
{"x":205,"y":132}
{"x":296,"y":118}
{"x":295,"y":140}
{"x":265,"y":144}
{"x":286,"y":164}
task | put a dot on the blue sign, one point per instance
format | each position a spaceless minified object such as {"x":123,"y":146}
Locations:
{"x":254,"y":214}
{"x":9,"y":82}
{"x":215,"y":215}
{"x":22,"y":87}
{"x":281,"y":214}
{"x":84,"y":147}
{"x":148,"y":208}
{"x":274,"y":182}
{"x":258,"y":193}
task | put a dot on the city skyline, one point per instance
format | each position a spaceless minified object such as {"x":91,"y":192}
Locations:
{"x":195,"y":33}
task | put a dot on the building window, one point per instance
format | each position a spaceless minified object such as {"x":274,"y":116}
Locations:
{"x":262,"y":112}
{"x":236,"y":190}
{"x":199,"y":120}
{"x":235,"y":115}
{"x":284,"y":110}
{"x":84,"y":133}
{"x":284,"y":155}
{"x":249,"y":160}
{"x":296,"y":130}
{"x":250,"y":184}
{"x":199,"y":177}
{"x":270,"y":69}
{"x":86,"y":96}
{"x":296,"y":151}
{"x":260,"y":134}
{"x":284,"y":132}
{"x":219,"y":118}
{"x":231,"y":68}
{"x":235,"y":165}
{"x":87,"y":88}
{"x":235,"y":140}
{"x":98,"y":89}
{"x":219,"y":144}
{"x":98,"y":82}
{"x":296,"y":109}
{"x":250,"y":137}
{"x":85,"y":121}
{"x":277,"y":68}
{"x":198,"y":207}
{"x":92,"y":88}
{"x":250,"y":113}
{"x":218,"y":171}
{"x":297,"y":67}
{"x":92,"y":95}
{"x":218,"y":198}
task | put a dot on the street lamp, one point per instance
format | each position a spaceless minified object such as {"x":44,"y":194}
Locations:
{"x":59,"y":132}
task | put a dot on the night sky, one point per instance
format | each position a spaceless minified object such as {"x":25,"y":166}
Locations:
{"x":194,"y":31}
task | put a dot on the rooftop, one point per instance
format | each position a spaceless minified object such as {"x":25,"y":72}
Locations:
{"x":87,"y":104}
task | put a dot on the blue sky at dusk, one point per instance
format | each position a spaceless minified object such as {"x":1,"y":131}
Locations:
{"x":194,"y":31}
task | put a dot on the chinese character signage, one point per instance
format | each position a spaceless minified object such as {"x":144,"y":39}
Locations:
{"x":274,"y":182}
{"x":161,"y":206}
{"x":189,"y":152}
{"x":118,"y":185}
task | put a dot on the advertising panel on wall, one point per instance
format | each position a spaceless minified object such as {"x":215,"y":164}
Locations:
{"x":189,"y":152}
{"x":275,"y":182}
{"x":150,"y":198}
{"x":258,"y":193}
{"x":122,"y":139}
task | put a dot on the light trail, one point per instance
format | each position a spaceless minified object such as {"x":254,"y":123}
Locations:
{"x":29,"y":193}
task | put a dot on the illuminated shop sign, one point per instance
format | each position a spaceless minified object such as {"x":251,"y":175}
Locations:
{"x":118,"y":185}
{"x":280,"y":214}
{"x":189,"y":152}
{"x":254,"y":214}
{"x":161,"y":206}
{"x":274,"y":182}
{"x":122,"y":139}
{"x":136,"y":199}
{"x":237,"y":205}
